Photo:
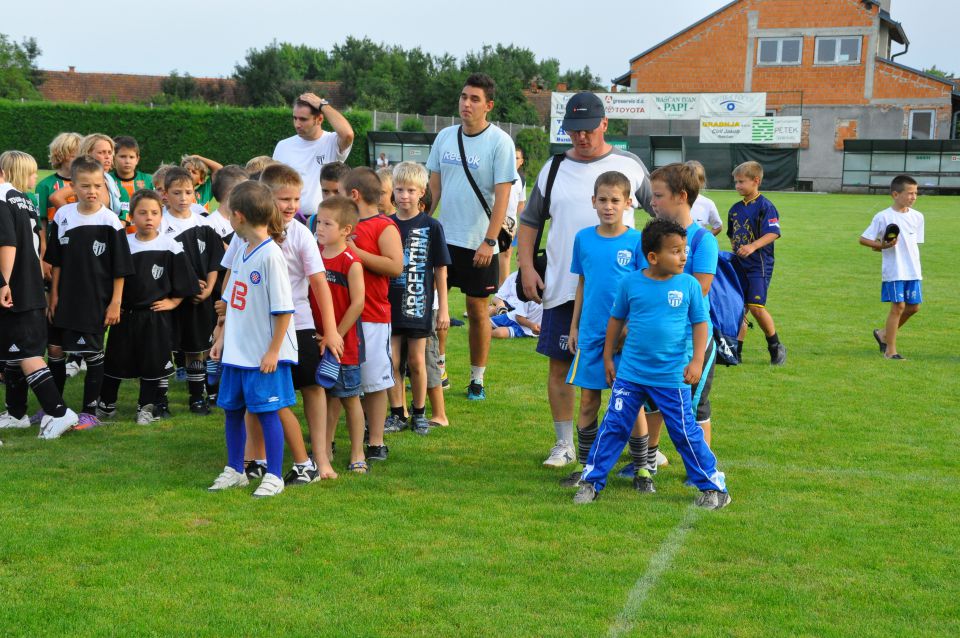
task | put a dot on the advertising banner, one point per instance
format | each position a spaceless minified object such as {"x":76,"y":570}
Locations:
{"x":750,"y":130}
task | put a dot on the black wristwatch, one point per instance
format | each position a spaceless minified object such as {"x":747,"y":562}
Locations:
{"x":490,"y":242}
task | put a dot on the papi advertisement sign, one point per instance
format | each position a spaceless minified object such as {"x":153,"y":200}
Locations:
{"x":661,"y":106}
{"x":750,"y":130}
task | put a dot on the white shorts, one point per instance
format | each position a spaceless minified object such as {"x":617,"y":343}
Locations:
{"x":376,"y":371}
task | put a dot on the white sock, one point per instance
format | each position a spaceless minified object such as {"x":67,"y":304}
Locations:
{"x":564,"y":430}
{"x":262,"y":462}
{"x":476,"y":374}
{"x":307,"y":464}
{"x":441,"y":360}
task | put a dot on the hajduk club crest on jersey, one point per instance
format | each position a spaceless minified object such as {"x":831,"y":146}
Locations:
{"x":156,"y":271}
{"x":99,"y":247}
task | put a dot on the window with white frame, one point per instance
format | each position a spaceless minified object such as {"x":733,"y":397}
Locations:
{"x":779,"y":51}
{"x":922,"y":125}
{"x":838,"y":50}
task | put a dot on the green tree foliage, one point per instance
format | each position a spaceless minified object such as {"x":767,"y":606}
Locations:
{"x":276,"y":74}
{"x":19,"y":74}
{"x":940,"y":73}
{"x":412,"y":125}
{"x":535,"y":144}
{"x":582,"y":80}
{"x":182,"y":88}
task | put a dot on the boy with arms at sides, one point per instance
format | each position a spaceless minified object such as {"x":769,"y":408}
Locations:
{"x":23,"y":324}
{"x":257,"y":344}
{"x":336,"y":219}
{"x":139,"y":346}
{"x":128,"y":177}
{"x":425,"y":260}
{"x":54,"y":190}
{"x":602,"y":257}
{"x":659,"y":362}
{"x":201,"y":172}
{"x":305,"y":271}
{"x":195,"y":317}
{"x":900,"y":270}
{"x":376,"y":242}
{"x":330,"y":177}
{"x":90,"y":256}
{"x":752,"y":226}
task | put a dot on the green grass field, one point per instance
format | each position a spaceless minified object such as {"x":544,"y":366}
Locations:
{"x":842,"y":467}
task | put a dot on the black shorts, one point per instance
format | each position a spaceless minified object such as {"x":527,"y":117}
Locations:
{"x":472,"y":281}
{"x":555,"y":332}
{"x":193,"y":326}
{"x":73,"y":341}
{"x":139,"y":346}
{"x":308,"y":358}
{"x":23,"y":335}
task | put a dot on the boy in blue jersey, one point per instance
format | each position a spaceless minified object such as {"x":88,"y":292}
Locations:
{"x":659,"y":362}
{"x":602,"y":255}
{"x":752,"y":226}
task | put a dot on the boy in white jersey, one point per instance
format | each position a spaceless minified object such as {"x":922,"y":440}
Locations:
{"x":258,"y":344}
{"x":896,"y":232}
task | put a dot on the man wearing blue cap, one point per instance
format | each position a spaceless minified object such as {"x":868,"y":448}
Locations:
{"x":571,"y":210}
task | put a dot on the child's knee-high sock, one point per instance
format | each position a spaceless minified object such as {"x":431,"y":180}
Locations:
{"x":196,"y":379}
{"x":16,"y":390}
{"x":42,"y":383}
{"x":638,"y":451}
{"x":236,"y":436}
{"x":585,"y":438}
{"x":58,"y":368}
{"x":162,"y":386}
{"x":213,"y":377}
{"x":109,"y":390}
{"x":92,"y":382}
{"x":273,"y":441}
{"x":148,"y":392}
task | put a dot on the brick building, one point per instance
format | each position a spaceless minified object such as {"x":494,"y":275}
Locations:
{"x":831,"y":61}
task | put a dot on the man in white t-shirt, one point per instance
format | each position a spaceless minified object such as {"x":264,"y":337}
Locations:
{"x":896,"y":233}
{"x":470,"y":231}
{"x":570,"y":212}
{"x":312,"y":147}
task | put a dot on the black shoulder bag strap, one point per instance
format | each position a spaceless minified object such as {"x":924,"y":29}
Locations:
{"x":540,"y":254}
{"x":466,"y":169}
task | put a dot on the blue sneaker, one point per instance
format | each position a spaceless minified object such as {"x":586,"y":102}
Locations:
{"x":475,"y":392}
{"x":628,"y":471}
{"x":181,"y":374}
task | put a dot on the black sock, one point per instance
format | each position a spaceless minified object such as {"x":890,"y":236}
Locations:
{"x":585,"y":438}
{"x":42,"y":383}
{"x":739,"y":349}
{"x":162,"y":386}
{"x":419,"y":411}
{"x":16,"y":390}
{"x":397,"y":412}
{"x":773,"y":340}
{"x":109,"y":391}
{"x":651,"y":463}
{"x":58,"y":368}
{"x":148,"y":392}
{"x":92,"y":382}
{"x":196,"y":380}
{"x":638,"y":451}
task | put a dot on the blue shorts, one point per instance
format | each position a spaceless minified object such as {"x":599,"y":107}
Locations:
{"x":587,"y":371}
{"x":254,"y":391}
{"x":754,"y":285}
{"x":348,"y":383}
{"x":504,"y":321}
{"x":908,"y":292}
{"x":555,"y":332}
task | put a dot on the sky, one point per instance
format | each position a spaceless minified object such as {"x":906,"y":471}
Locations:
{"x":207,"y":38}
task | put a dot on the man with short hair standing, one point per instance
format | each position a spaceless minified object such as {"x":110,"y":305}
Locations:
{"x":312,"y":147}
{"x":472,"y":213}
{"x":570,"y":211}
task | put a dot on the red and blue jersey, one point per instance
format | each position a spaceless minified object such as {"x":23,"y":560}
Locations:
{"x":747,"y":222}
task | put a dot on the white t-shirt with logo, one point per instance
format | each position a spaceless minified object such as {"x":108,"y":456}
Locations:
{"x":492,"y":159}
{"x":902,"y":262}
{"x":517,"y":194}
{"x":307,"y":157}
{"x":705,"y":213}
{"x":258,"y":289}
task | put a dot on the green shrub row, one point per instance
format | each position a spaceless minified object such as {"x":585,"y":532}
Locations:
{"x":228,"y":135}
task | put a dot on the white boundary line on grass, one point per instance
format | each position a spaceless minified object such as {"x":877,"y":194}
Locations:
{"x":659,"y":563}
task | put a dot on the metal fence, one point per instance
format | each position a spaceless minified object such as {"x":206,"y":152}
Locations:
{"x":434,"y":123}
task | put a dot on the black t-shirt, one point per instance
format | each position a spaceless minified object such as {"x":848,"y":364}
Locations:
{"x":161,"y":270}
{"x":19,"y":228}
{"x":199,"y":241}
{"x":411,"y":294}
{"x":91,"y":251}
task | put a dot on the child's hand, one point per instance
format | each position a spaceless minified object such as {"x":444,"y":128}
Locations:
{"x":691,"y":374}
{"x":334,"y":344}
{"x":269,"y":362}
{"x":6,"y":297}
{"x":536,"y":331}
{"x":443,"y":320}
{"x":204,"y":293}
{"x":746,"y":250}
{"x":572,"y":339}
{"x":884,"y":245}
{"x":52,"y":306}
{"x":163,"y":305}
{"x":113,"y":314}
{"x":221,"y":307}
{"x":609,"y":370}
{"x":217,"y":350}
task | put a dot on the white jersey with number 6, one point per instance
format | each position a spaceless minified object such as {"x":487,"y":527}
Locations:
{"x":259,"y":288}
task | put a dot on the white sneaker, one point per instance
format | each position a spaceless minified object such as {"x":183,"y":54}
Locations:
{"x":8,"y":422}
{"x":270,"y":486}
{"x":562,"y":454}
{"x":662,"y":460}
{"x":227,"y":479}
{"x":52,"y":427}
{"x":145,"y":415}
{"x":73,"y":369}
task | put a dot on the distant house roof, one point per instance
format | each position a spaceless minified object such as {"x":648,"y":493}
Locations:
{"x":897,"y":33}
